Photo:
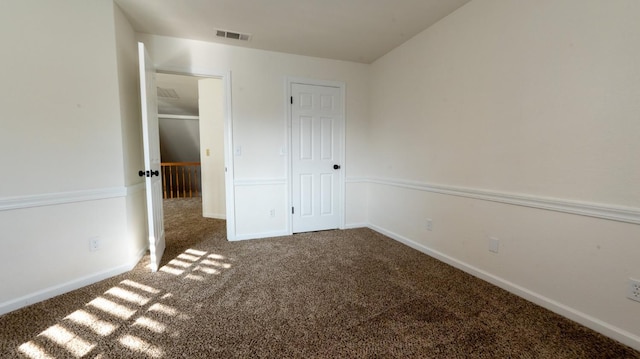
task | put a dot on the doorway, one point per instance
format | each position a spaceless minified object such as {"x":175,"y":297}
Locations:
{"x":317,"y":155}
{"x":195,"y":110}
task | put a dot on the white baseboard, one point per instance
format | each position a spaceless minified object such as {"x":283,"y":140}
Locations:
{"x":62,"y":288}
{"x":214,"y":215}
{"x":588,"y":321}
{"x":244,"y":237}
{"x":355,"y":225}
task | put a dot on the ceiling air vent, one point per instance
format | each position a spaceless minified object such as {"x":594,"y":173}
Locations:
{"x":167,"y":93}
{"x":233,"y":35}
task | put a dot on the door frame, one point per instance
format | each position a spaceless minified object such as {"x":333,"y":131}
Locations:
{"x":225,"y":76}
{"x":289,"y":81}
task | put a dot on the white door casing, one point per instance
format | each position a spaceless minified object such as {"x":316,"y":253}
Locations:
{"x":317,"y":146}
{"x":151,"y":141}
{"x":225,"y":77}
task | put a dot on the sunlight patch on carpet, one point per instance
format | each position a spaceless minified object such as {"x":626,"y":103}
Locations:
{"x":128,"y":296}
{"x":92,"y":322}
{"x":150,"y":324}
{"x":34,"y":351}
{"x":138,"y":344}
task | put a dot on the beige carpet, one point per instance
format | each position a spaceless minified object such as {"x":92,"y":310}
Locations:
{"x":333,"y":294}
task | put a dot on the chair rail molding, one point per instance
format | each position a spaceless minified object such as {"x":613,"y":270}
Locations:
{"x":57,"y":198}
{"x":597,"y":210}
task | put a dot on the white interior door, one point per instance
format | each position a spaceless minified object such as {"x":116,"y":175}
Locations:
{"x":316,"y":155}
{"x":152,"y":171}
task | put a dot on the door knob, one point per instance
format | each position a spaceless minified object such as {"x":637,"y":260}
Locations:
{"x":336,"y":167}
{"x":148,"y":173}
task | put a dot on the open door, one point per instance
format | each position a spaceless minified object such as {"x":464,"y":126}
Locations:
{"x":151,"y":141}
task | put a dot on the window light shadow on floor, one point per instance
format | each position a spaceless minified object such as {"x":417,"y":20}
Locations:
{"x":125,"y":318}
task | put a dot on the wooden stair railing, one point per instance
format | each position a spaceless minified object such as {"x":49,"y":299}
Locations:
{"x":181,"y":179}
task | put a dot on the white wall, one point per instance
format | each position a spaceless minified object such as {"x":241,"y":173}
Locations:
{"x":259,"y":121}
{"x":179,"y":139}
{"x":136,"y":236}
{"x":529,"y":105}
{"x":211,"y":109}
{"x":65,"y":136}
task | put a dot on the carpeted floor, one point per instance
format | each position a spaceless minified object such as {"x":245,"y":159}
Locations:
{"x":333,"y":294}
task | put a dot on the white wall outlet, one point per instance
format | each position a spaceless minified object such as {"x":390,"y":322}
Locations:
{"x":494,"y":244}
{"x":633,"y":292}
{"x":283,"y":150}
{"x":272,"y":212}
{"x":94,"y":244}
{"x":429,"y":224}
{"x":238,"y":151}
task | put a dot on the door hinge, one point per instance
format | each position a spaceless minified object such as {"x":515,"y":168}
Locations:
{"x":292,"y":211}
{"x":292,"y":100}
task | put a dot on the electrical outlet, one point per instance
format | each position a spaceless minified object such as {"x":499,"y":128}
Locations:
{"x":494,"y":244}
{"x":633,"y":292}
{"x":272,"y":212}
{"x":429,"y":224}
{"x":94,"y":244}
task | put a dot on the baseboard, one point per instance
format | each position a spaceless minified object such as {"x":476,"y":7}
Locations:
{"x":59,"y":289}
{"x":588,"y":321}
{"x":244,"y":237}
{"x":355,"y":225}
{"x":214,"y":215}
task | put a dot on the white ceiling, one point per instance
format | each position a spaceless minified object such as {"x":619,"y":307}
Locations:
{"x":351,"y":30}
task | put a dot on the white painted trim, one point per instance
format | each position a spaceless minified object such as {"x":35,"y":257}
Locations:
{"x":288,"y":162}
{"x":357,"y":180}
{"x":178,"y":117}
{"x":214,"y":215}
{"x":244,"y":237}
{"x":62,"y":288}
{"x":135,"y":188}
{"x":52,"y":199}
{"x":225,"y":76}
{"x":259,"y":182}
{"x":289,"y":80}
{"x":598,"y":325}
{"x":597,"y":210}
{"x":356,"y":225}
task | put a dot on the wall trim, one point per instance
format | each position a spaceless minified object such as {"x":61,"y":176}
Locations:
{"x":356,"y":225}
{"x":178,"y":117}
{"x":51,"y":199}
{"x":260,"y":182}
{"x":69,"y":286}
{"x":597,"y":210}
{"x":135,"y":188}
{"x":598,"y":325}
{"x":244,"y":237}
{"x":357,"y":180}
{"x":215,"y":215}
